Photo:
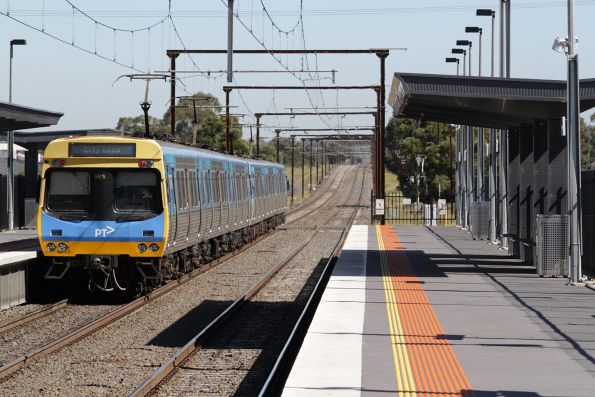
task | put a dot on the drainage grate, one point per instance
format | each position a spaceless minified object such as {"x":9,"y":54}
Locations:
{"x":552,"y":245}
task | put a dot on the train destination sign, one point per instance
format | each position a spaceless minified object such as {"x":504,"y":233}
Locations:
{"x":101,"y":149}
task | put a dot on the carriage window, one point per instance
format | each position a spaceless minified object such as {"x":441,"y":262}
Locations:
{"x":137,"y":190}
{"x":179,"y":191}
{"x":204,"y":189}
{"x":69,"y":191}
{"x":216,"y":191}
{"x":225,"y":184}
{"x":193,"y":187}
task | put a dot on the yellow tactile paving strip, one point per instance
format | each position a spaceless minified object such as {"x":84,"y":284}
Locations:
{"x":425,"y":363}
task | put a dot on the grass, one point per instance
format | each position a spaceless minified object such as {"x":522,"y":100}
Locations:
{"x":391,"y":181}
{"x":297,"y":174}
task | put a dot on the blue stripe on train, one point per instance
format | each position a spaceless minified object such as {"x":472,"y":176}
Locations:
{"x":102,"y":231}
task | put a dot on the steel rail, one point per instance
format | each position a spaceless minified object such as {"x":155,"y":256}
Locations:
{"x":42,"y":312}
{"x":167,"y":369}
{"x":119,"y":313}
{"x":169,"y":366}
{"x":319,"y":192}
{"x":313,"y":209}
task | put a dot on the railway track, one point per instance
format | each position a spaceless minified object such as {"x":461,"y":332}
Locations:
{"x":114,"y":315}
{"x":182,"y":361}
{"x":42,"y":312}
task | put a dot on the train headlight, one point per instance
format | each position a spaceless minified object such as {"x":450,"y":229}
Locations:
{"x":154,"y":247}
{"x":50,"y":247}
{"x":62,"y":247}
{"x":142,"y":247}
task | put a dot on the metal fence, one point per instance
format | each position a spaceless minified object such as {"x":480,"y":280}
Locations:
{"x":404,"y":211}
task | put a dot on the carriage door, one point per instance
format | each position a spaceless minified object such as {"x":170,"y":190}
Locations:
{"x":189,"y":199}
{"x":197,"y":206}
{"x":171,"y":199}
{"x":251,"y":193}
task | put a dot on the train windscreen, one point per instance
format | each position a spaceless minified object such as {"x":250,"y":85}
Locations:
{"x":105,"y":194}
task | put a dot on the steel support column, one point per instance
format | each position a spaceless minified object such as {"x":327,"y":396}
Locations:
{"x":311,"y":159}
{"x":492,"y":187}
{"x":292,"y":166}
{"x":172,"y":89}
{"x":504,"y":189}
{"x":464,"y":177}
{"x":450,"y":182}
{"x":317,"y":161}
{"x":258,"y":135}
{"x":470,"y":183}
{"x":458,"y":203}
{"x":382,"y":56}
{"x":480,"y":166}
{"x":574,"y":153}
{"x":277,"y":132}
{"x":303,"y":167}
{"x":228,"y":138}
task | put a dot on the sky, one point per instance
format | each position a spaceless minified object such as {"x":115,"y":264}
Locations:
{"x":54,"y":75}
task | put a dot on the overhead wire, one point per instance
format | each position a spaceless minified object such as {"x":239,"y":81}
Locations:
{"x":71,"y":44}
{"x":314,"y":12}
{"x":263,"y":45}
{"x":295,"y":26}
{"x":82,"y":12}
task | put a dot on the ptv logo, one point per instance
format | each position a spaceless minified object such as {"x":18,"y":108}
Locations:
{"x":104,"y":231}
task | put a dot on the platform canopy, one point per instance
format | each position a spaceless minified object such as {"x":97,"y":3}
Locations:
{"x":482,"y":101}
{"x":15,"y":117}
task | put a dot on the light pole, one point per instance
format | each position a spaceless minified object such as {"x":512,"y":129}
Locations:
{"x":277,"y":132}
{"x":492,"y":166}
{"x":476,"y":29}
{"x":480,"y":156}
{"x":568,"y":46}
{"x":482,"y":12}
{"x":454,"y":60}
{"x":420,"y":159}
{"x":464,"y":52}
{"x":468,"y":43}
{"x":10,"y":144}
{"x":504,"y":73}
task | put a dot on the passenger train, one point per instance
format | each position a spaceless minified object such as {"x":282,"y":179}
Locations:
{"x":128,"y":214}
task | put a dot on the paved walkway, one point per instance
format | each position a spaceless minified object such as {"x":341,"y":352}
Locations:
{"x":416,"y":311}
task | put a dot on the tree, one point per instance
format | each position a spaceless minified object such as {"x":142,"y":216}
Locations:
{"x":406,"y":139}
{"x":202,"y":122}
{"x":136,"y":125}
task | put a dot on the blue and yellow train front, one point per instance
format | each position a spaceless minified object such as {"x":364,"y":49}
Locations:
{"x":102,"y":206}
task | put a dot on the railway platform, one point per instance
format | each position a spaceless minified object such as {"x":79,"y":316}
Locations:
{"x":17,"y":250}
{"x":427,"y":311}
{"x":18,"y":246}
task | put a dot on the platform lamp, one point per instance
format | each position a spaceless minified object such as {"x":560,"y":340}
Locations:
{"x":483,"y":12}
{"x":476,"y":29}
{"x":453,"y":60}
{"x":10,"y":144}
{"x":469,"y":44}
{"x":464,"y":52}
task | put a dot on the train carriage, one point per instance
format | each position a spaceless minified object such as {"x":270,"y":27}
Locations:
{"x":128,"y":213}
